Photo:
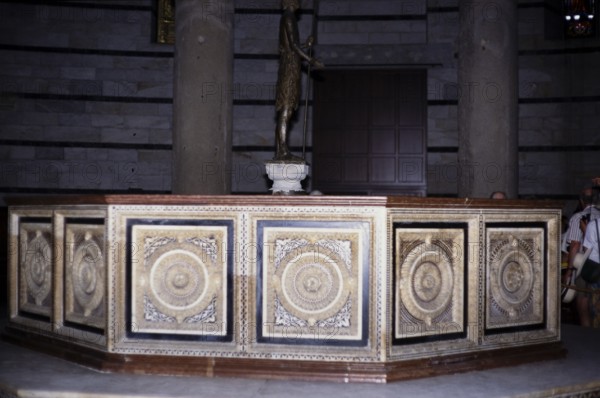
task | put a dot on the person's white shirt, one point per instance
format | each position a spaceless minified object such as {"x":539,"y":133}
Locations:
{"x":591,"y":240}
{"x":574,"y":232}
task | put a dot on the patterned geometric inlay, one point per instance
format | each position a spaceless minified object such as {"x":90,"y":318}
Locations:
{"x":85,"y":274}
{"x":179,"y":279}
{"x":515,"y":277}
{"x":429,"y":280}
{"x":312,"y":283}
{"x":35,"y":268}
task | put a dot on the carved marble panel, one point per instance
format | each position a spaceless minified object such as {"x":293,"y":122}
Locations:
{"x":314,"y":282}
{"x":429,"y":282}
{"x":85,"y":274}
{"x":343,"y":281}
{"x":179,"y":277}
{"x":515,"y":272}
{"x":35,"y":271}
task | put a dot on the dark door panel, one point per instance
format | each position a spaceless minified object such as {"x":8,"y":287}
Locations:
{"x":369,"y":133}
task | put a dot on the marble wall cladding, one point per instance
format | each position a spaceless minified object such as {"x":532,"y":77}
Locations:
{"x":314,"y":282}
{"x":85,"y":274}
{"x":477,"y":278}
{"x":35,"y":271}
{"x":515,"y":274}
{"x":179,"y":279}
{"x":521,"y":279}
{"x":335,"y":283}
{"x":259,"y":282}
{"x":57,"y":273}
{"x":429,"y":281}
{"x":174,"y":280}
{"x":317,"y":292}
{"x":433,"y":281}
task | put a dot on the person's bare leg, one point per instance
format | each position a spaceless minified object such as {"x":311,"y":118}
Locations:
{"x":583,"y":310}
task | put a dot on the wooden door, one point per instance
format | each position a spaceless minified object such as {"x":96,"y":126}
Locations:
{"x":369,"y":133}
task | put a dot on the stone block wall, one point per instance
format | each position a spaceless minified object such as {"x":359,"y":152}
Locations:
{"x":86,"y":92}
{"x":558,"y":95}
{"x":86,"y":99}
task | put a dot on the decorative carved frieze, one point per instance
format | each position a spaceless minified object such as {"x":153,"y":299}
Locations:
{"x":85,"y":274}
{"x":312,"y":282}
{"x":515,"y":275}
{"x":429,"y":282}
{"x":179,"y":279}
{"x":35,"y":267}
{"x":341,"y":281}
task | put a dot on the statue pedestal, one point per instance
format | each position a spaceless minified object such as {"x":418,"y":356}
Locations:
{"x":287,"y":177}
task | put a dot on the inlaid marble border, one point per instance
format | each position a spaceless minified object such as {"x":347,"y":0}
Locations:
{"x":529,"y":330}
{"x":81,"y":246}
{"x":325,"y":347}
{"x":516,"y":277}
{"x":461,"y":230}
{"x":35,"y":269}
{"x":429,"y":282}
{"x":125,"y":335}
{"x":177,"y":279}
{"x":313,"y":282}
{"x":84,"y":280}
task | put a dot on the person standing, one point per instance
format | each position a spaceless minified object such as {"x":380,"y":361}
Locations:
{"x":574,"y":240}
{"x":590,"y":241}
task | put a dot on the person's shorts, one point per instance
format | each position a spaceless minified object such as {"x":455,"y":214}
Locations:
{"x":580,"y":283}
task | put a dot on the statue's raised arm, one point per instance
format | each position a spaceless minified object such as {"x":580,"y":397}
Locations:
{"x":291,"y":54}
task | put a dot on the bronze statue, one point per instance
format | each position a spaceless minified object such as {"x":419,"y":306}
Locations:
{"x":291,"y":54}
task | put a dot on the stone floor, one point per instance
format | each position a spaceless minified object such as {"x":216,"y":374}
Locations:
{"x":25,"y":373}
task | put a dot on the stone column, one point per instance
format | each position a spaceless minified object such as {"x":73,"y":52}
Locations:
{"x":202,"y":100}
{"x":488,"y":100}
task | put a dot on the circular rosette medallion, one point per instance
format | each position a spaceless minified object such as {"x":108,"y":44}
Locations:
{"x":38,"y":269}
{"x":313,"y":286}
{"x":512,"y":278}
{"x":87,"y":276}
{"x":180,"y":283}
{"x":426,"y":282}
